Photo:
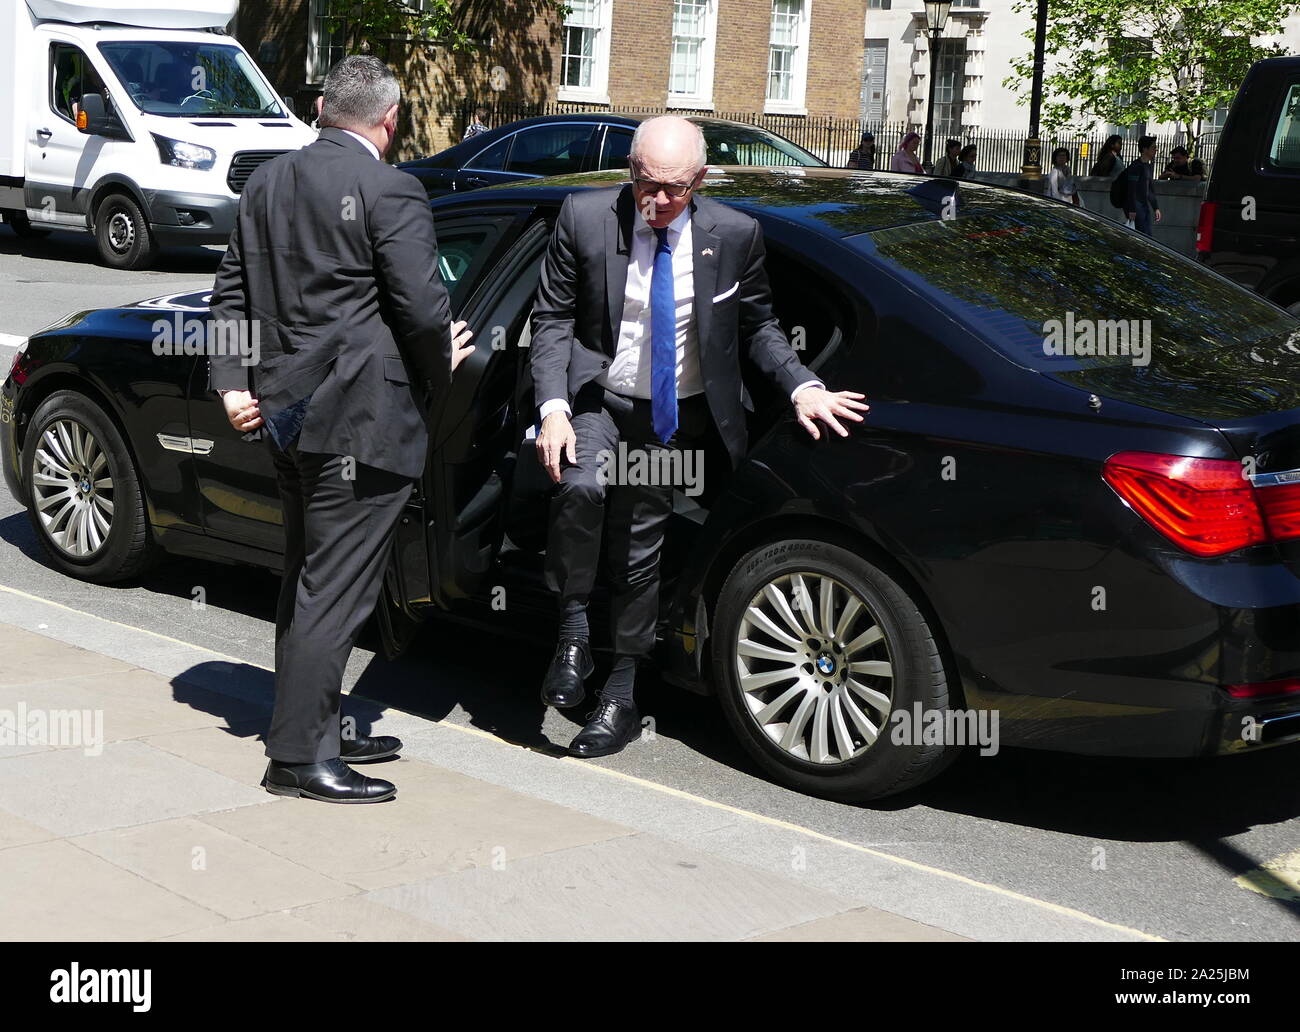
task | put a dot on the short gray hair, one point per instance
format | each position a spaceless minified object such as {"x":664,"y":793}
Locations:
{"x":358,"y":90}
{"x":638,"y":139}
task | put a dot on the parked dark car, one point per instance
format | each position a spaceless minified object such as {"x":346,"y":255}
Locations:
{"x":1250,"y":219}
{"x":561,"y":145}
{"x":1104,"y":551}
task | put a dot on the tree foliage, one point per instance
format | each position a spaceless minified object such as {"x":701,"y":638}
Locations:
{"x":375,"y":26}
{"x":1119,"y":62}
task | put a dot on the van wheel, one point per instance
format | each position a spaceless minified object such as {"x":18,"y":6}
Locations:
{"x":122,"y":233}
{"x":22,"y":226}
{"x":84,"y":497}
{"x":813,"y":649}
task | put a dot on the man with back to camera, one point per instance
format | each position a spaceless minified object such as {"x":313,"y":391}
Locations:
{"x":334,"y":258}
{"x":649,"y":297}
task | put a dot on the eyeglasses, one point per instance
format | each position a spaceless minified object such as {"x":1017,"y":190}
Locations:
{"x":649,"y":186}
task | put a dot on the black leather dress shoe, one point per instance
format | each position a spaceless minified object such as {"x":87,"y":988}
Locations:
{"x":331,"y":782}
{"x":571,"y":666}
{"x":608,"y":730}
{"x":366,"y":750}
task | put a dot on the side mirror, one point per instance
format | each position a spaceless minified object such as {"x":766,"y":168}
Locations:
{"x":94,"y":120}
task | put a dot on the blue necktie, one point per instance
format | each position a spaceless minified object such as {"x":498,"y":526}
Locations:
{"x":663,"y":341}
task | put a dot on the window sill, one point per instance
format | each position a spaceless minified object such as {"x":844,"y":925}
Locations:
{"x":568,"y":95}
{"x":693,"y":103}
{"x":784,"y":109}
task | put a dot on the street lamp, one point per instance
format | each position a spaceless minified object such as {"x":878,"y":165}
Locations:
{"x":936,"y":17}
{"x":1031,"y":172}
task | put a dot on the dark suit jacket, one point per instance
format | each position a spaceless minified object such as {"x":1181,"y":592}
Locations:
{"x":334,"y":257}
{"x":580,"y":299}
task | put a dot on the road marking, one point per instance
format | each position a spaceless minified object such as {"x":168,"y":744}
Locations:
{"x":1279,"y":877}
{"x":774,"y":822}
{"x":11,"y":340}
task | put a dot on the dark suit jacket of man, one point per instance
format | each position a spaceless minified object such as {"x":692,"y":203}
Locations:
{"x":334,"y":256}
{"x":579,"y":304}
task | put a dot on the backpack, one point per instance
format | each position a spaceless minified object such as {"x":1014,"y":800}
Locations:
{"x":1119,"y":190}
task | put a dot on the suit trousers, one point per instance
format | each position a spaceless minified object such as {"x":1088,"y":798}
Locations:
{"x":602,"y":498}
{"x":339,"y":518}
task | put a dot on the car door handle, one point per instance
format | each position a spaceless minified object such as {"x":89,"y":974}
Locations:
{"x":476,"y":180}
{"x":45,"y":134}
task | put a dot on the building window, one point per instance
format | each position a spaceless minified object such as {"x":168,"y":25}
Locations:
{"x":878,"y":5}
{"x":949,"y":88}
{"x":584,"y":57}
{"x":965,"y":3}
{"x":690,"y":71}
{"x":324,"y":47}
{"x":787,"y":68}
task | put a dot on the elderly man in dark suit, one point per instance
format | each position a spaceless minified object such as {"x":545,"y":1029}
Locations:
{"x":649,"y":298}
{"x":333,"y":257}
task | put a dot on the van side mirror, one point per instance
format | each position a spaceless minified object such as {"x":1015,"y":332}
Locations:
{"x":94,"y":120}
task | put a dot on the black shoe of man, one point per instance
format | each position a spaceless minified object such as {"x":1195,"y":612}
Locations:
{"x":332,"y":781}
{"x":363,"y":749}
{"x":570,"y":667}
{"x":610,"y":727}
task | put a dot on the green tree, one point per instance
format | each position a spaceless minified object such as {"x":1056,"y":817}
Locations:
{"x":1124,"y":61}
{"x":375,"y":26}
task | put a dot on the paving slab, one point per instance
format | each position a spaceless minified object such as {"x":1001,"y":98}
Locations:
{"x":129,"y":783}
{"x":632,"y":888}
{"x":69,"y":894}
{"x":234,"y":878}
{"x":441,"y":821}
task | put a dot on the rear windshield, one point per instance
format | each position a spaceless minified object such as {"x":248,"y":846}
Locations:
{"x":1082,"y":298}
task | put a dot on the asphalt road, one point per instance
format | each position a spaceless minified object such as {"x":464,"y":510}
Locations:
{"x":1153,"y":846}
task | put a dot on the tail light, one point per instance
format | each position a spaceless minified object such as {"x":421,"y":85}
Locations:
{"x":1205,"y":227}
{"x":1264,"y":689}
{"x":1205,"y":506}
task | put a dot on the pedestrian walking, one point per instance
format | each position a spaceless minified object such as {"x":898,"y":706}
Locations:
{"x":1061,"y":183}
{"x":863,"y":156}
{"x":1140,"y":204}
{"x":905,"y":159}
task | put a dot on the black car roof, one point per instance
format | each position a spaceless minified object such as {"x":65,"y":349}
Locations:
{"x":629,"y":119}
{"x":833,"y":202}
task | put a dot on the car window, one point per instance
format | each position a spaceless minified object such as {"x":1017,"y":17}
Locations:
{"x":71,"y":77}
{"x":464,"y":247}
{"x":750,"y":145}
{"x":550,"y":150}
{"x":1284,"y":151}
{"x":1084,"y":299}
{"x":615,"y":148}
{"x":491,"y":159}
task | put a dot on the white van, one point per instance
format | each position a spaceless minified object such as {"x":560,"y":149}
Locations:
{"x":139,"y":123}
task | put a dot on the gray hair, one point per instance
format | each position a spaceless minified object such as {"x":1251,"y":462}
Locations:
{"x":358,"y":90}
{"x":638,"y":139}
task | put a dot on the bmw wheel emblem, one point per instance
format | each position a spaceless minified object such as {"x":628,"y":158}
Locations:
{"x":825,"y":665}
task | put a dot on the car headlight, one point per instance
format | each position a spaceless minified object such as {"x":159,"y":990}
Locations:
{"x":184,"y":155}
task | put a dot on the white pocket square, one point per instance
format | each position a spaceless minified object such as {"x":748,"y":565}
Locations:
{"x":722,"y":297}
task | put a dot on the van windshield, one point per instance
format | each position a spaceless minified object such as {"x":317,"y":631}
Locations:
{"x":183,"y":79}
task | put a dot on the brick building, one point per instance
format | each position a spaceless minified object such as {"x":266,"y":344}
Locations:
{"x":789,"y":57}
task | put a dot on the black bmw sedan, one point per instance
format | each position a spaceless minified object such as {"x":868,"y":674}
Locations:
{"x":561,"y":145}
{"x":1074,"y":506}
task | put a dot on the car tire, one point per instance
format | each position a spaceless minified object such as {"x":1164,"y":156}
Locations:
{"x":93,"y":526}
{"x":22,"y":226}
{"x":122,"y":233}
{"x":828,"y":752}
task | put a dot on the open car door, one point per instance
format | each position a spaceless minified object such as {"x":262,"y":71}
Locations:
{"x":446,"y":539}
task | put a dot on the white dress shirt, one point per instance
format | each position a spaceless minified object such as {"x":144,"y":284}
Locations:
{"x":369,"y":146}
{"x":629,"y":372}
